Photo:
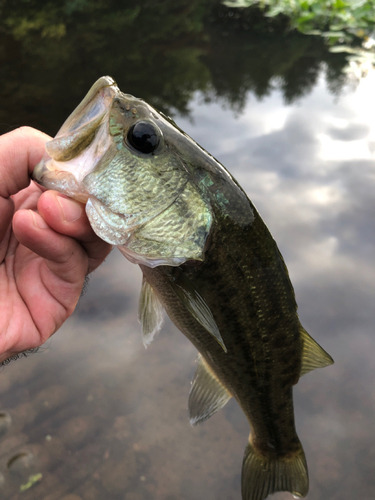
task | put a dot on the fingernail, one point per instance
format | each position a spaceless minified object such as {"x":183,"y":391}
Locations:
{"x":38,"y":221}
{"x":72,"y":210}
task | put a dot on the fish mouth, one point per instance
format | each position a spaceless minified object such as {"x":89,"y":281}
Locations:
{"x":83,"y":136}
{"x":96,"y":102}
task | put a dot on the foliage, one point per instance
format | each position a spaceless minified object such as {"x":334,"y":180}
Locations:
{"x":347,"y":25}
{"x":330,"y":15}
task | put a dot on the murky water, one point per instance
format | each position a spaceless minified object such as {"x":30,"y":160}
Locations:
{"x":94,"y":416}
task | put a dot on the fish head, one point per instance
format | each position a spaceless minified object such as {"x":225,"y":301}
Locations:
{"x":132,"y":167}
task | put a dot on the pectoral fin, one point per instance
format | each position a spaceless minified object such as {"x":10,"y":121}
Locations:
{"x":207,"y":394}
{"x":196,"y":305}
{"x":313,"y":356}
{"x":150,"y":313}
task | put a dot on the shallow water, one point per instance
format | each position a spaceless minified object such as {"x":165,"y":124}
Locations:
{"x":100,"y":417}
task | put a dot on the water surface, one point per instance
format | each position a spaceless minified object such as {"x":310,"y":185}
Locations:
{"x":99,"y":416}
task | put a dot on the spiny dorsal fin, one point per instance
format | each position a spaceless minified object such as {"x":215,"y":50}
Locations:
{"x":196,"y":305}
{"x":207,"y":394}
{"x":313,"y":356}
{"x":150,"y":313}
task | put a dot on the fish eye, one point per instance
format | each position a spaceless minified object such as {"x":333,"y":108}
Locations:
{"x":144,"y":136}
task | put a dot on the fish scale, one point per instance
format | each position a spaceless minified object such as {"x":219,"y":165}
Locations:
{"x":245,"y":372}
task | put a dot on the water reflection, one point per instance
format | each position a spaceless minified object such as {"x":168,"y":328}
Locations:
{"x":161,"y":51}
{"x":116,"y":415}
{"x":96,"y":414}
{"x":311,"y":173}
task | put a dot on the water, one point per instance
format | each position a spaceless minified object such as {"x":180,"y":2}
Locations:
{"x":100,"y":417}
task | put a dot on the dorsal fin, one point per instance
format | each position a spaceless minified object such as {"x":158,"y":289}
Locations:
{"x":150,"y":313}
{"x":313,"y":356}
{"x":207,"y":394}
{"x":196,"y":305}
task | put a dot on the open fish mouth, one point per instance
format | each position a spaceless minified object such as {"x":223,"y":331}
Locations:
{"x":80,"y":143}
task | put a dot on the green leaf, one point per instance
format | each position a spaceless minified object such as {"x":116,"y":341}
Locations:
{"x":343,"y":48}
{"x":275,"y":11}
{"x":32,"y":480}
{"x":334,"y":34}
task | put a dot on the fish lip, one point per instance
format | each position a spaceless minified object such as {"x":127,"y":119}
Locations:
{"x":38,"y":172}
{"x":93,"y":109}
{"x":40,"y":186}
{"x":101,"y":96}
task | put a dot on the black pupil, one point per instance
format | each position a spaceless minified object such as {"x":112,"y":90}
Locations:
{"x":144,"y":137}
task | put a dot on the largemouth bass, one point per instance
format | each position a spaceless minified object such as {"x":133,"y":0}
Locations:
{"x":207,"y":258}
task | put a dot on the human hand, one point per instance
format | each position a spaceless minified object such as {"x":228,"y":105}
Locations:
{"x":45,"y":255}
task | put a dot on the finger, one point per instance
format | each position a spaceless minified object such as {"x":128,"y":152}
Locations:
{"x":50,"y":269}
{"x":61,"y":273}
{"x":6,"y":214}
{"x":27,"y":198}
{"x":20,"y":151}
{"x":64,"y":256}
{"x":68,"y":217}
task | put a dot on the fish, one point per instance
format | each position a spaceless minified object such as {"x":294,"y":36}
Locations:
{"x":208,"y":260}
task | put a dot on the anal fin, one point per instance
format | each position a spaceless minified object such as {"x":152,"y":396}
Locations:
{"x":313,"y":356}
{"x":150,"y":313}
{"x":207,"y":394}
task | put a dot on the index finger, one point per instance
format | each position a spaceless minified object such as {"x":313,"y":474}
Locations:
{"x":20,"y":151}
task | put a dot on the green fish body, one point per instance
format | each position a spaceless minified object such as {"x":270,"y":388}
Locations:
{"x":207,"y":258}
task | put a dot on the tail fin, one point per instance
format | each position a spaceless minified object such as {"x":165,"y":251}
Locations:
{"x":262,"y":475}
